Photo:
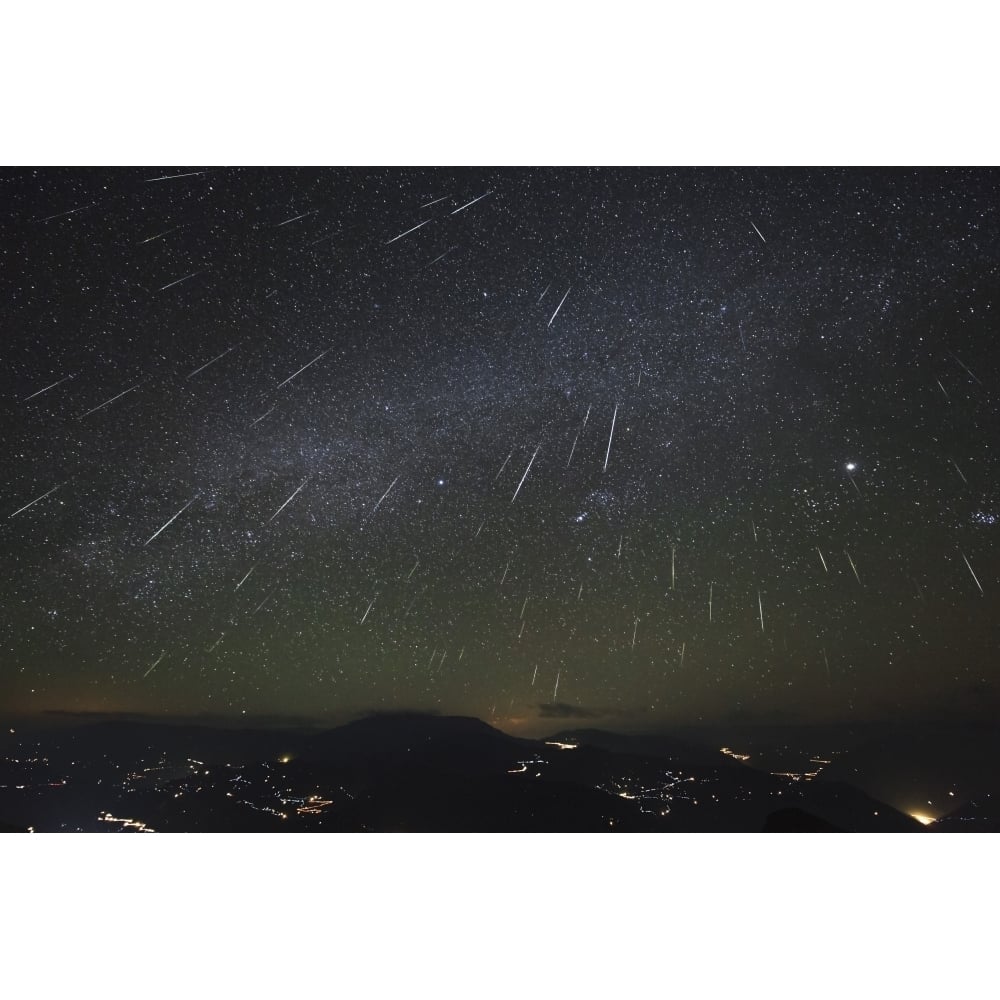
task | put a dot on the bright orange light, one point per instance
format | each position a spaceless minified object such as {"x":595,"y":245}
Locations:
{"x":923,"y":818}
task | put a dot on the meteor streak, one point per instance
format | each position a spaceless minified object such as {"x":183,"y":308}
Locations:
{"x":33,"y":502}
{"x":561,"y":301}
{"x":156,"y":663}
{"x":974,"y":577}
{"x":610,"y":437}
{"x":170,"y":522}
{"x":212,"y":362}
{"x":108,"y":402}
{"x":408,"y":231}
{"x":525,"y":476}
{"x":468,"y":203}
{"x":46,"y":389}
{"x":288,"y":501}
{"x":302,"y":369}
{"x":193,"y":274}
{"x":384,"y":495}
{"x":174,"y":177}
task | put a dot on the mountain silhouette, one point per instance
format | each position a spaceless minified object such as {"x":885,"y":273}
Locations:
{"x":409,"y":772}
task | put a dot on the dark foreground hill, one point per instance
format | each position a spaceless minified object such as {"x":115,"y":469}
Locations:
{"x":406,"y":773}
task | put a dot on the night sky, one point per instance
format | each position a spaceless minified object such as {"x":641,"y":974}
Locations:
{"x":636,"y":447}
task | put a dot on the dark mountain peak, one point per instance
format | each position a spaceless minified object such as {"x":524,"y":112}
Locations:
{"x":411,"y":737}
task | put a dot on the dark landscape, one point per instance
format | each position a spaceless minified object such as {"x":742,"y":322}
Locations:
{"x":413,"y":772}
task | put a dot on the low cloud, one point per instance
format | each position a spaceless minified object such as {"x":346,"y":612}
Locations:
{"x":204,"y":719}
{"x":560,"y":710}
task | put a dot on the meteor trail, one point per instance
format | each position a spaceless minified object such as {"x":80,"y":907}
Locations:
{"x":439,"y":257}
{"x":542,"y":296}
{"x":33,"y":502}
{"x":758,"y":232}
{"x":296,"y":218}
{"x":253,"y":423}
{"x":853,"y":483}
{"x":822,"y":560}
{"x":760,"y":605}
{"x":166,"y":232}
{"x":384,"y":495}
{"x":174,"y":177}
{"x":46,"y":389}
{"x":370,"y":603}
{"x":577,"y":438}
{"x":974,"y":577}
{"x":326,"y":236}
{"x":558,"y":307}
{"x":959,"y":471}
{"x":555,"y":693}
{"x":525,"y":476}
{"x":170,"y":522}
{"x":156,"y":663}
{"x":247,"y":577}
{"x":573,"y":449}
{"x":108,"y":402}
{"x":266,"y":599}
{"x":854,"y":569}
{"x":468,"y":203}
{"x":428,"y":204}
{"x":212,"y":362}
{"x":288,"y":501}
{"x":610,"y":436}
{"x":408,"y":231}
{"x":504,"y":466}
{"x":193,"y":274}
{"x":969,"y":370}
{"x":302,"y":369}
{"x":72,"y":211}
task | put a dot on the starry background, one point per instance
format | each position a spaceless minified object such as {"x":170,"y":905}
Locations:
{"x":794,"y":519}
